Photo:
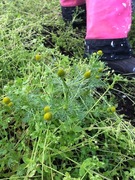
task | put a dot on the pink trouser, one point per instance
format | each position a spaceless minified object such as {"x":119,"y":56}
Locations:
{"x":71,"y":3}
{"x":107,"y":19}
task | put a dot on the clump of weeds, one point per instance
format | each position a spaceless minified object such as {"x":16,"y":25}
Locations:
{"x":61,"y":116}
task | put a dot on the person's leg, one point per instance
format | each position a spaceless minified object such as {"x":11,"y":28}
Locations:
{"x":108,"y":24}
{"x":70,"y":8}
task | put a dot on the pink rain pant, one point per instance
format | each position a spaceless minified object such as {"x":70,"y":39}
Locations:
{"x":107,"y":19}
{"x":71,"y":3}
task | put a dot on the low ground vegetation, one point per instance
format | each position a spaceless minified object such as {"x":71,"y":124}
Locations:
{"x":61,"y":116}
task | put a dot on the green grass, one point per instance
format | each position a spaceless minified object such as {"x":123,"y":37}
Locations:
{"x":89,"y":136}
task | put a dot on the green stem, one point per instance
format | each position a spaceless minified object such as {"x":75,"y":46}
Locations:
{"x":66,"y":92}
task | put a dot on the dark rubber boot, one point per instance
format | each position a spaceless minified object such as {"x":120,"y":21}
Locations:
{"x":75,"y":15}
{"x":117,"y":54}
{"x":133,"y":6}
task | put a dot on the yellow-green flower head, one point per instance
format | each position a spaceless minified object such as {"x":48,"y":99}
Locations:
{"x":10,"y":104}
{"x":46,"y":109}
{"x":112,"y":109}
{"x":48,"y":116}
{"x":87,"y":74}
{"x":100,"y":52}
{"x":38,"y":57}
{"x":100,"y":69}
{"x":97,"y":77}
{"x":61,"y":72}
{"x":6,"y":100}
{"x":94,"y":54}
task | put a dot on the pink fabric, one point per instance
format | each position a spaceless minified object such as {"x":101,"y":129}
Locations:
{"x":70,"y":3}
{"x":108,"y":19}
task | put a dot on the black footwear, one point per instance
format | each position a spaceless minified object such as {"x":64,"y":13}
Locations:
{"x":133,"y":6}
{"x":125,"y":66}
{"x":75,"y":15}
{"x":117,"y":54}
